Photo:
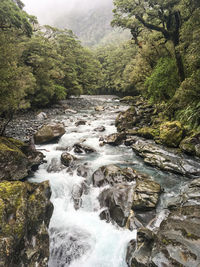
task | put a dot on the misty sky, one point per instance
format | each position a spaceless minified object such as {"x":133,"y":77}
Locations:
{"x":48,"y":10}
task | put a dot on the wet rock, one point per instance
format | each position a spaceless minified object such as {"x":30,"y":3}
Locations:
{"x":70,"y":111}
{"x":25,"y":212}
{"x":138,"y":253}
{"x":81,"y":122}
{"x":67,"y":159}
{"x":17,"y":159}
{"x":191,"y":145}
{"x":166,"y":159}
{"x":55,"y":166}
{"x":83,"y":171}
{"x":77,"y":192}
{"x":146,"y":195}
{"x":171,"y":133}
{"x":41,"y":116}
{"x":115,"y":139}
{"x":112,"y":174}
{"x":118,"y":200}
{"x":81,"y":148}
{"x":99,"y":108}
{"x":178,"y":239}
{"x":100,"y":129}
{"x":49,"y":133}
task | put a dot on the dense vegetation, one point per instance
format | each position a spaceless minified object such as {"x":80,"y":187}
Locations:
{"x":41,"y":65}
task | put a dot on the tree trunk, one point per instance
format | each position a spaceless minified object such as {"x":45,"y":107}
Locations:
{"x":179,"y":63}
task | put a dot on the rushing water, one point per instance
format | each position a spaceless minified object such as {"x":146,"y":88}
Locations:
{"x":79,"y":237}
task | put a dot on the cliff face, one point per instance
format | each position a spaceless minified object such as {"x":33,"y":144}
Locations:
{"x":25,"y":209}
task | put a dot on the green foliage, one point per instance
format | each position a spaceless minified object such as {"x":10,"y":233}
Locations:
{"x":163,"y":82}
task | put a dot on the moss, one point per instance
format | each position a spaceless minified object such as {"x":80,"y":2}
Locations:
{"x":148,"y":132}
{"x":127,"y":99}
{"x":171,"y":133}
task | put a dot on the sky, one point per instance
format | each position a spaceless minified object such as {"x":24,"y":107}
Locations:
{"x":47,"y":11}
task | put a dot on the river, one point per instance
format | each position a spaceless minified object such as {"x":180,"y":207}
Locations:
{"x":77,"y":236}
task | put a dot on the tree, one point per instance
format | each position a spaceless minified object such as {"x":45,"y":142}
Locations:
{"x":156,"y":15}
{"x":12,"y":17}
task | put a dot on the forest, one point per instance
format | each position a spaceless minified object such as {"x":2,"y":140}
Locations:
{"x":41,"y":65}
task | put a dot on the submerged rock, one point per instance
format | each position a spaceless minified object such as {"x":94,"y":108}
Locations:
{"x":81,"y":122}
{"x":49,"y":133}
{"x":25,"y":212}
{"x":17,"y":159}
{"x":166,"y":159}
{"x":100,"y":129}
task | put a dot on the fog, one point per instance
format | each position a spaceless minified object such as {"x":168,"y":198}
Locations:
{"x":47,"y":11}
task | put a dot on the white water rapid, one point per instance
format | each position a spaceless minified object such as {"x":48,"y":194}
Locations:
{"x":78,"y":238}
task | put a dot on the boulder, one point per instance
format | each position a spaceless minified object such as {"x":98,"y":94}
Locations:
{"x":83,"y":171}
{"x":41,"y":116}
{"x":127,"y":99}
{"x":112,"y":174}
{"x":17,"y":159}
{"x":81,"y":122}
{"x":55,"y":166}
{"x":166,"y":159}
{"x":146,"y":195}
{"x":25,"y":212}
{"x":100,"y":129}
{"x":126,"y":119}
{"x":67,"y":159}
{"x":115,"y":139}
{"x":118,"y":201}
{"x":49,"y":132}
{"x":80,"y":148}
{"x":171,"y":133}
{"x":148,"y":132}
{"x":139,"y":252}
{"x":191,"y":145}
{"x":178,"y":239}
{"x":99,"y":108}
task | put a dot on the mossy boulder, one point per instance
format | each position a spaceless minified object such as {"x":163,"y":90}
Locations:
{"x":191,"y":145}
{"x":25,"y":211}
{"x":128,"y":99}
{"x":148,"y":132}
{"x":171,"y":133}
{"x":49,"y":132}
{"x":17,"y":159}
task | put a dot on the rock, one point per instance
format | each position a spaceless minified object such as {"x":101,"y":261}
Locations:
{"x":25,"y":212}
{"x":55,"y":166}
{"x":41,"y":116}
{"x":112,"y":174}
{"x":191,"y":145}
{"x":138,"y":253}
{"x":148,"y":132}
{"x":81,"y":122}
{"x":80,"y":148}
{"x":178,"y":239}
{"x":171,"y":133}
{"x":126,"y":119}
{"x":99,"y":108}
{"x":17,"y":159}
{"x":166,"y":159}
{"x":49,"y":132}
{"x":70,"y":111}
{"x":115,"y":139}
{"x":127,"y":99}
{"x":77,"y":192}
{"x":146,"y":195}
{"x":83,"y":171}
{"x":118,"y":200}
{"x":67,"y":159}
{"x":100,"y":129}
